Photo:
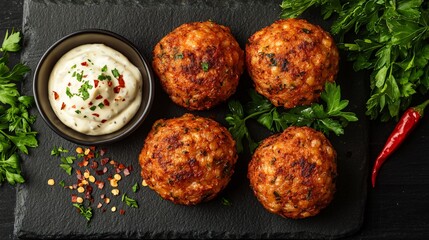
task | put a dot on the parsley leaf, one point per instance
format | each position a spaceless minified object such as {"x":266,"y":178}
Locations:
{"x":11,"y":43}
{"x":326,"y":118}
{"x":16,"y":134}
{"x":129,"y":201}
{"x":84,"y":211}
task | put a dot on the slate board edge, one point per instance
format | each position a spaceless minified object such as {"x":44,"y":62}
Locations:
{"x":21,"y":193}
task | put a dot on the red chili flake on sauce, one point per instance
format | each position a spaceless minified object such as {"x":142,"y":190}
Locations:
{"x":96,"y":114}
{"x":99,"y":97}
{"x":74,"y":106}
{"x":90,"y":103}
{"x":106,"y":102}
{"x":56,"y":96}
{"x":63,"y":106}
{"x":84,"y":64}
{"x":121,"y":81}
{"x":109,"y":83}
{"x":96,"y":83}
{"x":104,"y":120}
{"x":69,"y":84}
{"x":116,"y":89}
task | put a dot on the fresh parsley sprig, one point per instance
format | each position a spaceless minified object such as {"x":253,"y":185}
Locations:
{"x":328,"y":117}
{"x":392,"y":43}
{"x":16,"y":134}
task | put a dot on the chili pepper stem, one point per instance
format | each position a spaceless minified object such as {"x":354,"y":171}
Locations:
{"x":420,"y":108}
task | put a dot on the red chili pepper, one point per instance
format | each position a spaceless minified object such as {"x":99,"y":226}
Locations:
{"x":406,"y":124}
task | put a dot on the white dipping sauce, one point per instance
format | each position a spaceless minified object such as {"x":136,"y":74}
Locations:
{"x":94,"y":89}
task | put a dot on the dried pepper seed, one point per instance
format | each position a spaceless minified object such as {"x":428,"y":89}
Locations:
{"x":79,"y":200}
{"x":80,"y":189}
{"x":113,"y":182}
{"x":113,"y":209}
{"x":115,"y":192}
{"x":51,"y":182}
{"x":117,"y":177}
{"x":144,"y":183}
{"x":79,"y":150}
{"x":91,"y":178}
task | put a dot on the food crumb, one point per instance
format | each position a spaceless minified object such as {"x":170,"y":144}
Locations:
{"x":79,"y":200}
{"x":144,"y":183}
{"x":113,"y":209}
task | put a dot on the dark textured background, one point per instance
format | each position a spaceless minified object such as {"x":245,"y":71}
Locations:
{"x":397,"y":208}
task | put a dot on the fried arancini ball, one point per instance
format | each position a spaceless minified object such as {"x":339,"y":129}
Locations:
{"x":290,"y":61}
{"x":293,"y":173}
{"x":188,"y":159}
{"x":199,"y":64}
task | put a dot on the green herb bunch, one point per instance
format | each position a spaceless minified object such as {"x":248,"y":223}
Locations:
{"x":391,"y":41}
{"x":16,"y":134}
{"x":328,"y":117}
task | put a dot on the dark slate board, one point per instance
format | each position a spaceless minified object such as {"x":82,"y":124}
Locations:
{"x":43,"y":211}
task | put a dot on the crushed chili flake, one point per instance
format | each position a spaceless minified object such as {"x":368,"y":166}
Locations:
{"x":96,"y":114}
{"x":96,"y":83}
{"x":99,"y":184}
{"x":103,"y":151}
{"x":106,"y":102}
{"x":104,"y":161}
{"x":63,"y":105}
{"x":99,"y":97}
{"x":85,"y":64}
{"x":94,"y":165}
{"x":126,"y":172}
{"x":86,"y":182}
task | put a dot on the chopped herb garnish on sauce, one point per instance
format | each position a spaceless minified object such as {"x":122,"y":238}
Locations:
{"x":104,"y":69}
{"x":115,"y":73}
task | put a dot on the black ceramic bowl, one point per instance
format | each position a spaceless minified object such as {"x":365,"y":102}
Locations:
{"x":62,"y":46}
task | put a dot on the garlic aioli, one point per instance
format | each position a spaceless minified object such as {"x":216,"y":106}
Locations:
{"x":95,"y":89}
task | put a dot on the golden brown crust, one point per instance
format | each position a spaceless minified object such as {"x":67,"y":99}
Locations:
{"x":293,"y":173}
{"x":290,"y":61}
{"x":199,"y":64}
{"x":188,"y":159}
